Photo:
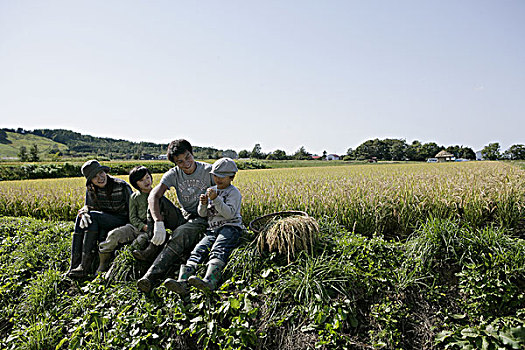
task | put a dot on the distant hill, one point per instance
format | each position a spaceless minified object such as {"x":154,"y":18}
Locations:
{"x":73,"y":144}
{"x":10,"y":143}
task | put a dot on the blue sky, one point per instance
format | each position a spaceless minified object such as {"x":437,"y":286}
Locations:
{"x":327,"y":75}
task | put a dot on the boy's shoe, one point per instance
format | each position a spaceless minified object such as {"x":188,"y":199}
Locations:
{"x":211,"y":280}
{"x":181,"y":285}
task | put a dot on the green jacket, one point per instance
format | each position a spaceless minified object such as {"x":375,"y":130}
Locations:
{"x":138,"y":209}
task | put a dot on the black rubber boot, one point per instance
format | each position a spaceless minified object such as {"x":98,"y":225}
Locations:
{"x":148,"y":254}
{"x":83,"y":270}
{"x":158,"y":270}
{"x":76,"y":250}
{"x":104,"y":261}
{"x":180,"y":286}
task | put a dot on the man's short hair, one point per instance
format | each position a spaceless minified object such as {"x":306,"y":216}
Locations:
{"x":136,"y":174}
{"x":178,"y":147}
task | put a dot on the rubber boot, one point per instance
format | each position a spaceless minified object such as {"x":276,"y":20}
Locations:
{"x":211,"y":280}
{"x":158,"y":270}
{"x":76,"y":250}
{"x":180,"y":286}
{"x":104,"y":261}
{"x":82,"y":270}
{"x":148,"y":254}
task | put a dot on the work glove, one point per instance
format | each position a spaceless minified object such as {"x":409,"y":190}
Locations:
{"x":159,"y":233}
{"x":85,"y":220}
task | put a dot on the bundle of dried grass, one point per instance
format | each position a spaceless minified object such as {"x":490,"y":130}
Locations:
{"x":290,"y":235}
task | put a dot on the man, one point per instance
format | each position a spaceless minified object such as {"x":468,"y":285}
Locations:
{"x":190,"y":179}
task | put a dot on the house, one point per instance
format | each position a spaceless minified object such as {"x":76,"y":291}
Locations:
{"x":332,"y":157}
{"x":316,"y":157}
{"x":479,"y":156}
{"x":444,"y":156}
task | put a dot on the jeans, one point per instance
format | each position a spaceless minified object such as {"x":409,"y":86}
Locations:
{"x":217,"y":244}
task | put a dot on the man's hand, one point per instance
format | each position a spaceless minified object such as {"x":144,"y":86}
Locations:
{"x":159,"y":233}
{"x":204,"y":199}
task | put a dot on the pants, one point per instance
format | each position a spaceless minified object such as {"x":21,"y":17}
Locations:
{"x":184,"y":236}
{"x":123,"y":235}
{"x":101,"y":223}
{"x":217,"y":244}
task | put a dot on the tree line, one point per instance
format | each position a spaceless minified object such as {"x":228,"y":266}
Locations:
{"x":80,"y":145}
{"x":381,"y":149}
{"x":396,"y":150}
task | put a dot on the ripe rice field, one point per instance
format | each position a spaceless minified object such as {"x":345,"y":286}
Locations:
{"x":388,"y":199}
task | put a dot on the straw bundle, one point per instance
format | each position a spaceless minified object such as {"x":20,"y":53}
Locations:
{"x":289,"y":235}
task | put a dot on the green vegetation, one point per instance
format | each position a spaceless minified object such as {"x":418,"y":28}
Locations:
{"x":446,"y":285}
{"x":55,"y":170}
{"x":413,"y":256}
{"x":57,"y":143}
{"x":11,"y":144}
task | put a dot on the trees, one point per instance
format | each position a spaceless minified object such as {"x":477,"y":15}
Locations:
{"x":461,"y":152}
{"x":515,"y":152}
{"x":396,"y":149}
{"x":302,"y":154}
{"x":22,"y":154}
{"x":491,"y":151}
{"x":257,"y":152}
{"x":244,"y":154}
{"x":33,"y":152}
{"x":430,"y":149}
{"x":277,"y":155}
{"x":3,"y":137}
{"x":387,"y":149}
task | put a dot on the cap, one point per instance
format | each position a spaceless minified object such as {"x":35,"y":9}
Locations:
{"x":224,"y":167}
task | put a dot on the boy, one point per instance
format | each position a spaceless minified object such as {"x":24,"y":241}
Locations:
{"x":222,"y":206}
{"x":141,"y":179}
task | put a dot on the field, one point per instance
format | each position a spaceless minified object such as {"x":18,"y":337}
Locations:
{"x":415,"y":256}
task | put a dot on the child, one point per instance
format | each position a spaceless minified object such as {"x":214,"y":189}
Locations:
{"x":222,"y":205}
{"x":141,"y":179}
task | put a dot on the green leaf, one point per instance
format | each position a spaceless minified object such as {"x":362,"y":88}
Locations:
{"x":235,"y":303}
{"x":507,"y":340}
{"x":441,"y":336}
{"x":470,"y":332}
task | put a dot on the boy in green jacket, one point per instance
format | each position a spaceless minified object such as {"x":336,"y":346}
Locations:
{"x":140,"y":178}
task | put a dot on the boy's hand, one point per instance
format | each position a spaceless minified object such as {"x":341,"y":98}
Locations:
{"x":212,"y":194}
{"x":203,"y":198}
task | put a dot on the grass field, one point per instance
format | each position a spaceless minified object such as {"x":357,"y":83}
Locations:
{"x":15,"y":141}
{"x":414,"y":256}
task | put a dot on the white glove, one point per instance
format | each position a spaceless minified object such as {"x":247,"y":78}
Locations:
{"x":85,"y":220}
{"x":159,"y":233}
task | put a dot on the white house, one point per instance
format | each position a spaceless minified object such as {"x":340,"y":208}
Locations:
{"x":332,"y":157}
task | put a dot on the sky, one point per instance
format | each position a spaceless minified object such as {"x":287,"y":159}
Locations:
{"x":327,"y":75}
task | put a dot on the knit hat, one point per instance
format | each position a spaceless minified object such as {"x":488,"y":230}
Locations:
{"x":92,"y":168}
{"x":224,"y":167}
